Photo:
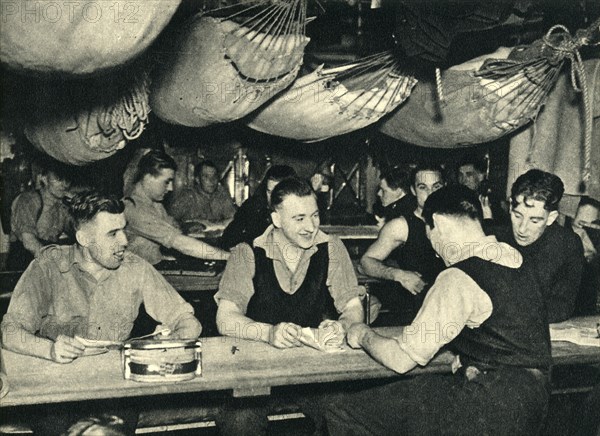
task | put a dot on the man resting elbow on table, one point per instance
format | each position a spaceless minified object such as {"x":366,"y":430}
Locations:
{"x":92,"y":289}
{"x":293,"y":276}
{"x":488,"y":307}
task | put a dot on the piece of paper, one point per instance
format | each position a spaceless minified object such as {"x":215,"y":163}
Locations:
{"x":585,"y":336}
{"x":91,"y":343}
{"x":321,"y":340}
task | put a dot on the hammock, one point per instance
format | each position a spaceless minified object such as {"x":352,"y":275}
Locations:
{"x":334,"y":101}
{"x":485,"y":98}
{"x":89,"y":122}
{"x":79,"y":38}
{"x":224,"y":68}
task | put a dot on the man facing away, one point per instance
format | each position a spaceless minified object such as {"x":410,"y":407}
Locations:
{"x":149,"y":226}
{"x":293,"y":276}
{"x":556,"y":252}
{"x":206,"y":203}
{"x":488,"y":306}
{"x":395,"y":198}
{"x":404,"y":240}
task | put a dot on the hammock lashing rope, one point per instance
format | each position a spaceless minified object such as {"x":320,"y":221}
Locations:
{"x":224,"y":68}
{"x":557,"y":46}
{"x":88,"y":122}
{"x":333,"y":101}
{"x":79,"y":38}
{"x":487,"y":97}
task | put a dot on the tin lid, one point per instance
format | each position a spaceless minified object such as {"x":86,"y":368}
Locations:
{"x":149,"y":344}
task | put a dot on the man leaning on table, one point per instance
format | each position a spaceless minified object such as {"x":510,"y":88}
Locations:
{"x":293,"y":276}
{"x":488,"y":307}
{"x":92,"y":289}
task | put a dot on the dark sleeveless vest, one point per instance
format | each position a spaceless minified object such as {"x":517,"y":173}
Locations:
{"x":417,"y":254}
{"x":516,"y":334}
{"x":307,"y":307}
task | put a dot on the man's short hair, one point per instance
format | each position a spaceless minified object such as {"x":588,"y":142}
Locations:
{"x":280,"y":172}
{"x":86,"y":205}
{"x":456,"y":200}
{"x":396,"y":178}
{"x":538,"y":185}
{"x":204,"y":163}
{"x":425,"y":166}
{"x":480,"y":164}
{"x":292,"y":186}
{"x":152,"y":163}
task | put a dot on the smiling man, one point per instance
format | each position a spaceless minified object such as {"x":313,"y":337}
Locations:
{"x":92,"y":289}
{"x":556,"y":252}
{"x":293,"y":276}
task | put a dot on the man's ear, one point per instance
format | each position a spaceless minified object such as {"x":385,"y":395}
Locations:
{"x":82,"y":238}
{"x":276,"y":218}
{"x":552,"y":217}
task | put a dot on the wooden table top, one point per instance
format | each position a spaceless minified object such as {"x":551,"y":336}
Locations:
{"x":251,"y":368}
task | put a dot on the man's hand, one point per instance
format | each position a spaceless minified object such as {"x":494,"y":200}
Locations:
{"x":66,"y":349}
{"x":285,"y":335}
{"x":410,"y":280}
{"x":331,"y":332}
{"x":356,"y":333}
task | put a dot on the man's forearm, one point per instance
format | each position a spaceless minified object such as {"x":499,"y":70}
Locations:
{"x":31,"y":243}
{"x":385,"y":351}
{"x":352,"y":313}
{"x":19,"y":340}
{"x":242,"y":327}
{"x":195,"y":248}
{"x":376,"y":268}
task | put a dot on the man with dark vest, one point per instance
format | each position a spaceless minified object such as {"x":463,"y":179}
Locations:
{"x":556,"y":252}
{"x":403,"y":240}
{"x":394,"y":197}
{"x":293,"y":276}
{"x":487,"y":306}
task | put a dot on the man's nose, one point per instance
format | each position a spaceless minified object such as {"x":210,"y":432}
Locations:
{"x":169,"y":186}
{"x":310,"y":225}
{"x":123,"y":239}
{"x":522,"y":227}
{"x":379,"y":192}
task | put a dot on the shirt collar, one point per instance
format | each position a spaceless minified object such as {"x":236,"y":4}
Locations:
{"x":272,"y":241}
{"x":484,"y":249}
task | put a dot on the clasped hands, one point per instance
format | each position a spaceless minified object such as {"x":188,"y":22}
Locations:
{"x":287,"y":334}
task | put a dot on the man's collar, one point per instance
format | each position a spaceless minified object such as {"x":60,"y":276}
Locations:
{"x":480,"y":248}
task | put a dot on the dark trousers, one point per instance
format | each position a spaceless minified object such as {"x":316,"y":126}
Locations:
{"x":501,"y":402}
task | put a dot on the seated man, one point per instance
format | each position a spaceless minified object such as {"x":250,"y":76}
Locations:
{"x":472,"y":173}
{"x":207,"y":203}
{"x":404,"y":240}
{"x":254,"y":216}
{"x":293,"y":276}
{"x":93,"y":289}
{"x":488,"y":306}
{"x":394,"y":196}
{"x":556,"y":252}
{"x":39,"y":217}
{"x":149,"y":227}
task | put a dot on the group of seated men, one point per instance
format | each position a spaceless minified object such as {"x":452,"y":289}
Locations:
{"x":491,"y":304}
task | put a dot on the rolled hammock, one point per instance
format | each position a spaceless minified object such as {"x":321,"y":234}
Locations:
{"x":221,"y":69}
{"x":333,"y":101}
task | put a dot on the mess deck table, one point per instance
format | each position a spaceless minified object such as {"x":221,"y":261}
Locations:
{"x":246,"y":368}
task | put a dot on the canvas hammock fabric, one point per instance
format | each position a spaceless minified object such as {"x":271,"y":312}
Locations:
{"x":79,"y":38}
{"x":224,"y":68}
{"x":334,"y":101}
{"x":86,"y":122}
{"x":485,"y":98}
